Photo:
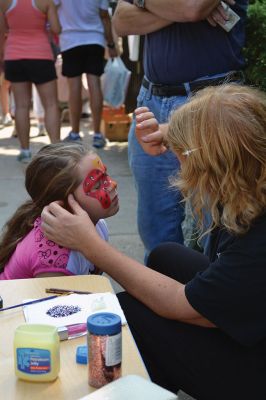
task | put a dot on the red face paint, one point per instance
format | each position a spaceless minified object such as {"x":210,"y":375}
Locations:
{"x":97,"y":184}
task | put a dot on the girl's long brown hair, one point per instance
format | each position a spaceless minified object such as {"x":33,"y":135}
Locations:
{"x":51,"y":175}
{"x":226,"y":172}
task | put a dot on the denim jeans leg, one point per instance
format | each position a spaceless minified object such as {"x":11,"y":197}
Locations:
{"x":159,"y":212}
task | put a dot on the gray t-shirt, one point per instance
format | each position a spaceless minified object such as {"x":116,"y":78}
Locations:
{"x":81,"y":23}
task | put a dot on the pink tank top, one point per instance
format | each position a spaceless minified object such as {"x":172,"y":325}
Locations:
{"x":27,"y":34}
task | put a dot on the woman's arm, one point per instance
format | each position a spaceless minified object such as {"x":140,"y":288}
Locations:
{"x":130,"y":20}
{"x":4,"y":4}
{"x":53,"y":19}
{"x":48,"y":7}
{"x":3,"y":30}
{"x":106,"y":20}
{"x":163,"y":295}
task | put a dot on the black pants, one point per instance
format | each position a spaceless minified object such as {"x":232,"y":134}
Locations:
{"x":204,"y":362}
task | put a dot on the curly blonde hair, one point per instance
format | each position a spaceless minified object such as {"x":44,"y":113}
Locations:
{"x":225,"y":174}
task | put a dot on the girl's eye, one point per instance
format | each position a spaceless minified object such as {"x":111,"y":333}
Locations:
{"x":96,"y":186}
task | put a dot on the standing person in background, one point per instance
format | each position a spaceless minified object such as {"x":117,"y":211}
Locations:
{"x":5,"y":93}
{"x":38,"y":111}
{"x":86,"y":30}
{"x":5,"y":100}
{"x":29,"y":59}
{"x":183,"y":52}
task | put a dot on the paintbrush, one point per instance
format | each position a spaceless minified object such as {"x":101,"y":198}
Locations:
{"x":27,"y":303}
{"x":65,"y":291}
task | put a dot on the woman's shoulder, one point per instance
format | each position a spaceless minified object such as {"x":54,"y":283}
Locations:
{"x":257,"y":231}
{"x":251,"y":242}
{"x":5,"y":4}
{"x":256,"y":228}
{"x":43,"y":5}
{"x":261,"y":220}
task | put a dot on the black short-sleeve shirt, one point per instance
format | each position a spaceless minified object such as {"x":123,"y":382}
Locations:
{"x":231,"y":292}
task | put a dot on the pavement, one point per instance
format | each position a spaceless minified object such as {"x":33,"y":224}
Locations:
{"x":122,"y":227}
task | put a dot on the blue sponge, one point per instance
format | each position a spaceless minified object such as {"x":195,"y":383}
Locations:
{"x":82,"y":355}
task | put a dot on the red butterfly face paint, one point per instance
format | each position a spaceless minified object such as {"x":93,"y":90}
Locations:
{"x":98,"y":184}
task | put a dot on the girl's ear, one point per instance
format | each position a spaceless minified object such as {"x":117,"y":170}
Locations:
{"x":74,"y":204}
{"x":65,"y":205}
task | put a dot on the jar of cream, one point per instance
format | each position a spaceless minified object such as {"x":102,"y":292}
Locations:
{"x":36,"y":352}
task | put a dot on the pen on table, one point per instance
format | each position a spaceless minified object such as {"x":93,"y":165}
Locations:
{"x":65,"y":291}
{"x":71,"y":331}
{"x":27,"y":303}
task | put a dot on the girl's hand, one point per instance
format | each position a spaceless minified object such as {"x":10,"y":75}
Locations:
{"x":69,"y":230}
{"x":150,"y":135}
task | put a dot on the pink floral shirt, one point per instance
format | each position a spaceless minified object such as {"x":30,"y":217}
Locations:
{"x":35,"y":255}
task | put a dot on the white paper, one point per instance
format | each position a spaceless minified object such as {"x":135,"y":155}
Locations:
{"x":89,"y":304}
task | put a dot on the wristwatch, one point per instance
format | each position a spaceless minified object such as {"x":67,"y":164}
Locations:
{"x":139,"y":3}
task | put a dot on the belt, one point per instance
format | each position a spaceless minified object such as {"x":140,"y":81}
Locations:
{"x":180,"y":90}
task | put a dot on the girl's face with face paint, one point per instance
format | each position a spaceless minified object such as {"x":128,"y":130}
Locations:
{"x":97,"y":193}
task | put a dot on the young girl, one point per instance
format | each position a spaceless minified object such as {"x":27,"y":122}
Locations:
{"x":57,"y":170}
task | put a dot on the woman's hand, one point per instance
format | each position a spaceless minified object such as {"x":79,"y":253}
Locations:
{"x":112,"y":52}
{"x":150,"y":135}
{"x":69,"y":230}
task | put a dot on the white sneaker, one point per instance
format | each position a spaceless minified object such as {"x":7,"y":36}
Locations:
{"x":7,"y":120}
{"x":24,"y":158}
{"x":41,"y":130}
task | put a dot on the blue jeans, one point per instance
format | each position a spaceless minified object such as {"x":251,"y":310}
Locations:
{"x":159,"y":212}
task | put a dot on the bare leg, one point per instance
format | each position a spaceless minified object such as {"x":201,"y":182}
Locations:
{"x":48,"y":94}
{"x":4,"y":91}
{"x":96,"y":100}
{"x":22,"y":95}
{"x":38,"y":111}
{"x":75,"y":102}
